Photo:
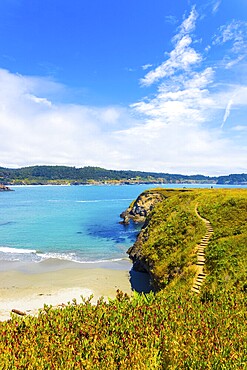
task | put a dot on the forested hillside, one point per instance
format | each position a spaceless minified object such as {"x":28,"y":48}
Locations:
{"x":75,"y":176}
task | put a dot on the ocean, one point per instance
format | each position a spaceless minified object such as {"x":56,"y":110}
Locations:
{"x":69,"y":223}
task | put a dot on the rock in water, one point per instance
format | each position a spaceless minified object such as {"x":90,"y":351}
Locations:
{"x":4,"y":188}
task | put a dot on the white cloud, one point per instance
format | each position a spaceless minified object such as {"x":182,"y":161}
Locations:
{"x":175,"y":130}
{"x":37,"y":131}
{"x":235,"y":35}
{"x":227,"y":112}
{"x":181,"y":58}
{"x":239,"y":128}
{"x":188,"y":24}
{"x":146,"y":66}
{"x":184,"y":114}
{"x":216,"y":6}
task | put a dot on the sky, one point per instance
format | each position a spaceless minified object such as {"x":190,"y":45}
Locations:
{"x":148,"y":85}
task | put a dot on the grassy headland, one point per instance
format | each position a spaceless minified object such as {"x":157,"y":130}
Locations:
{"x":173,"y":328}
{"x":167,"y":242}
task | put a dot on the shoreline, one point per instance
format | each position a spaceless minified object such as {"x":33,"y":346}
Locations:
{"x":27,"y":288}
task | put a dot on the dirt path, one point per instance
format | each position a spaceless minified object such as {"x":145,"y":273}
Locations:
{"x":200,"y":275}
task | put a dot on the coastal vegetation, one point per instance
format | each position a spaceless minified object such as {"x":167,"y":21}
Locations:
{"x":171,"y":328}
{"x":166,"y":245}
{"x":61,"y":175}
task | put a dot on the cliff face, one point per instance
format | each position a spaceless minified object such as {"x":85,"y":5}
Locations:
{"x":168,"y":243}
{"x":141,"y":207}
{"x":139,"y":212}
{"x":165,"y":245}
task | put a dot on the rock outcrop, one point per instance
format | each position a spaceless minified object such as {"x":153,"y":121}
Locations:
{"x":141,"y":207}
{"x":146,"y":210}
{"x":4,"y":188}
{"x":139,"y":212}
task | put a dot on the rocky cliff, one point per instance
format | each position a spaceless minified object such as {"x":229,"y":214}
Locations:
{"x":139,"y":212}
{"x":141,"y":207}
{"x":165,"y":245}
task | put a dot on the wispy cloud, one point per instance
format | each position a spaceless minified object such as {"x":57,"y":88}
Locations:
{"x":147,"y":66}
{"x":216,"y":6}
{"x":235,"y":34}
{"x":188,"y":100}
{"x":227,"y":112}
{"x":177,"y":129}
{"x":34,"y":130}
{"x":240,"y":128}
{"x":181,"y":57}
{"x":171,"y":19}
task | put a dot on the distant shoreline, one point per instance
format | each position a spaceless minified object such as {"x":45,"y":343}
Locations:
{"x":64,"y":175}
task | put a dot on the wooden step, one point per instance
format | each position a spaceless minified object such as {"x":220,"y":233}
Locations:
{"x":195,"y":290}
{"x":199,"y":279}
{"x":196,"y":287}
{"x":198,"y":283}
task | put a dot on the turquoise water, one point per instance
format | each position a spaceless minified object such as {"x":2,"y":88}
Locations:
{"x":75,"y":223}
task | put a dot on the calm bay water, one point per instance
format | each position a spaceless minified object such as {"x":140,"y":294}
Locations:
{"x":75,"y":223}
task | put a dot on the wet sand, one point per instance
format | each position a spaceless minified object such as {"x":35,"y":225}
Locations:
{"x":28,"y":286}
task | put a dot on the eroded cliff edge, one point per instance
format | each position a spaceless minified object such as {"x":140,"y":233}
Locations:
{"x":138,"y":212}
{"x":164,"y":246}
{"x":141,"y":207}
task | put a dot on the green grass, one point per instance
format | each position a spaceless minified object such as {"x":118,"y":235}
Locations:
{"x":172,"y":329}
{"x":226,"y":261}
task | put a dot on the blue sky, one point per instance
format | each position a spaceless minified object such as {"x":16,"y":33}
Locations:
{"x":146,"y":85}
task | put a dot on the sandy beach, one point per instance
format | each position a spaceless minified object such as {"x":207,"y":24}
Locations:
{"x":28,"y":287}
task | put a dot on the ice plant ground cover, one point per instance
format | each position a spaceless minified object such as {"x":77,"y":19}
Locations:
{"x":170,"y":329}
{"x":146,"y":332}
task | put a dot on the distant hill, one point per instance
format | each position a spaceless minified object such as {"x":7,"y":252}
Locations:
{"x":233,"y":179}
{"x":76,"y":176}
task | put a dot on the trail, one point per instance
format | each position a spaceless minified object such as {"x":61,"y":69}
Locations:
{"x":200,"y":275}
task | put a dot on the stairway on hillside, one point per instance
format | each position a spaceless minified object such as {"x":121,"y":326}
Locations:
{"x":200,"y":276}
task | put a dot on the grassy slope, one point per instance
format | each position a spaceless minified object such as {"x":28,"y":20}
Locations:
{"x":226,"y":261}
{"x":174,"y":329}
{"x":168,"y":241}
{"x":173,"y":230}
